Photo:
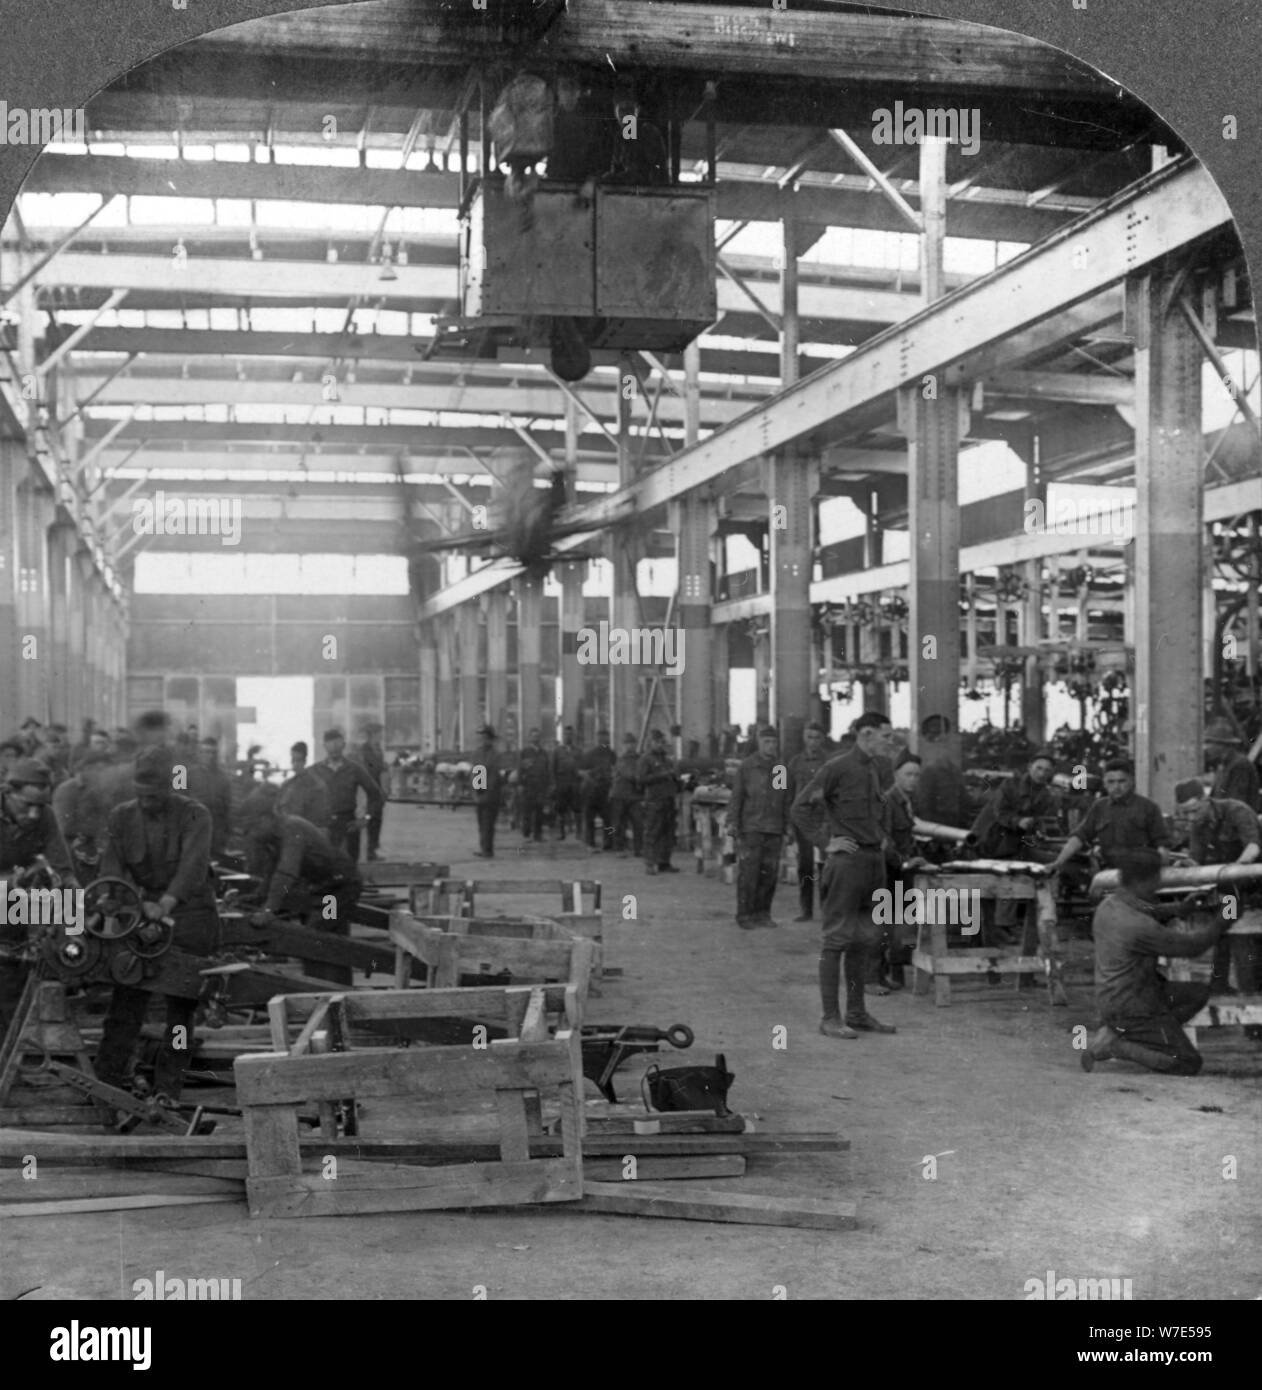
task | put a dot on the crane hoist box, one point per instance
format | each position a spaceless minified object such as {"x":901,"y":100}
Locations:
{"x":633,"y":266}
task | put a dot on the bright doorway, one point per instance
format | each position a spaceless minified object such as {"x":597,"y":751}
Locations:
{"x":284,"y":713}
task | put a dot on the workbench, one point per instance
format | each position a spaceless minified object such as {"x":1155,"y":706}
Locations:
{"x":936,"y":960}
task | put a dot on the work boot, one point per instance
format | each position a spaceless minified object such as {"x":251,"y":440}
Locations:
{"x":865,"y":1023}
{"x":833,"y":1027}
{"x":1099,"y":1049}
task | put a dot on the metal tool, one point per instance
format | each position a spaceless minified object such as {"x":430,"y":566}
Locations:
{"x":607,"y":1046}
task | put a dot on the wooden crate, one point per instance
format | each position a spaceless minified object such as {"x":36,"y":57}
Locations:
{"x":453,"y":948}
{"x":578,"y":900}
{"x":538,"y":1061}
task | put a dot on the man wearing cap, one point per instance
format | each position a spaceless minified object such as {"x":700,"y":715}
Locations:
{"x":802,"y":769}
{"x":303,"y":793}
{"x":565,"y":782}
{"x":1220,"y":831}
{"x":1007,"y":824}
{"x":1235,"y":777}
{"x":160,"y":843}
{"x":757,"y":817}
{"x":597,"y":773}
{"x":371,"y":757}
{"x":656,"y":774}
{"x":1119,"y":820}
{"x":1142,"y":1014}
{"x":487,"y":779}
{"x":28,"y":830}
{"x":300,"y":871}
{"x":843,"y":813}
{"x":533,"y":781}
{"x":342,"y":778}
{"x":624,"y":799}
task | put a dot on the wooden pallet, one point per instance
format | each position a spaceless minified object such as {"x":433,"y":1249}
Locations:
{"x":455,"y":950}
{"x":534,"y":1063}
{"x":578,"y":899}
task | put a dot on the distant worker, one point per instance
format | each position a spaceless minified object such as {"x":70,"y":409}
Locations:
{"x":304,"y":794}
{"x":1235,"y":777}
{"x":659,"y":780}
{"x":487,"y":780}
{"x":598,"y":766}
{"x":210,"y":785}
{"x":1008,"y":824}
{"x":372,"y":758}
{"x":533,"y":781}
{"x":757,"y":817}
{"x":566,"y":783}
{"x":802,"y":769}
{"x":887,"y":968}
{"x":625,"y":804}
{"x":342,"y":779}
{"x":1141,"y":1012}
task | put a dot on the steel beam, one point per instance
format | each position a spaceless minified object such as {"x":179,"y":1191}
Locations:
{"x":497,"y":659}
{"x":470,"y":666}
{"x":68,"y":344}
{"x":1075,"y":387}
{"x":896,"y":199}
{"x":571,"y":576}
{"x":427,"y":637}
{"x":529,"y":633}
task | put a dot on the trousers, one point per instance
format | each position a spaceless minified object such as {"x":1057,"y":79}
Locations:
{"x":808,"y":874}
{"x":757,"y":870}
{"x":659,"y":832}
{"x":488,"y":813}
{"x":625,"y":813}
{"x":1159,"y":1043}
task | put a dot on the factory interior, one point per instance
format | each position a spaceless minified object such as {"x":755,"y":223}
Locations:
{"x":629,"y":630}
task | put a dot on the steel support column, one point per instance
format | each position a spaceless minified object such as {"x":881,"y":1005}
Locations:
{"x":447,"y":712}
{"x":693,"y":523}
{"x":1168,"y":697}
{"x":529,"y":644}
{"x":933,"y":428}
{"x":469,"y":631}
{"x":624,"y":711}
{"x":497,"y":659}
{"x":791,"y":482}
{"x":427,"y":639}
{"x":571,"y":575}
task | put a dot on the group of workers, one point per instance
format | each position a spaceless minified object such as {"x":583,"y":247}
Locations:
{"x":139,"y":809}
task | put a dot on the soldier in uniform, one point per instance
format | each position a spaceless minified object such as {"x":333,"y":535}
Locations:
{"x":1118,"y":821}
{"x":624,"y":799}
{"x":757,"y":817}
{"x":159,"y":842}
{"x":1235,"y":777}
{"x":660,"y":783}
{"x":597,"y":772}
{"x":802,"y":768}
{"x":342,"y":778}
{"x":565,"y":783}
{"x":887,"y":971}
{"x":487,"y":781}
{"x":533,"y":777}
{"x":1012,"y":814}
{"x":303,"y":794}
{"x":371,"y":757}
{"x":843,"y":813}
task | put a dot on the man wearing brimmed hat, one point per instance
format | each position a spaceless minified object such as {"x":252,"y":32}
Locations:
{"x":757,"y":816}
{"x":1235,"y":777}
{"x":487,"y":780}
{"x":160,"y":843}
{"x":28,"y":829}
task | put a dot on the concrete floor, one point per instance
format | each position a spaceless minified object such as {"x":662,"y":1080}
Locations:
{"x":1039,"y":1166}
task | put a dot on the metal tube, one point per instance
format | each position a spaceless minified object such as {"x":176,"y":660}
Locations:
{"x":1190,"y":876}
{"x":953,"y":834}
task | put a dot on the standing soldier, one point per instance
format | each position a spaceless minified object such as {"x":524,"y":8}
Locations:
{"x":565,"y":782}
{"x":303,"y":794}
{"x":660,"y":782}
{"x":757,"y":818}
{"x":900,"y":855}
{"x":624,"y":799}
{"x":532,"y":786}
{"x":160,"y":843}
{"x":486,"y":781}
{"x":1119,"y":821}
{"x":342,"y":778}
{"x":1235,"y":778}
{"x":371,"y":757}
{"x":28,"y":831}
{"x":843,"y":813}
{"x":802,"y":768}
{"x":598,"y":767}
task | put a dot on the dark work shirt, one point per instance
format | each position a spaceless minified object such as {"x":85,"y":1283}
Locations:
{"x":1236,"y":780}
{"x":304,"y":795}
{"x":901,"y":819}
{"x":1132,"y":823}
{"x":371,"y":759}
{"x":1128,"y":940}
{"x":759,"y":806}
{"x":21,"y":841}
{"x":80,"y":810}
{"x":598,"y":764}
{"x":1227,"y":828}
{"x":656,"y":774}
{"x":290,"y":850}
{"x":843,"y":798}
{"x":340,"y":784}
{"x":997,"y":827}
{"x":626,"y":785}
{"x":565,"y":760}
{"x":165,"y":854}
{"x":210,"y":786}
{"x":487,"y":788}
{"x":533,"y":771}
{"x":802,"y":768}
{"x":940,"y":795}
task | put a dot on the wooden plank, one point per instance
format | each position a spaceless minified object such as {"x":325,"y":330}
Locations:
{"x":59,"y":1184}
{"x":654,"y":1199}
{"x":388,"y":1005}
{"x":77,"y":1206}
{"x":514,"y":1126}
{"x":278,"y":1022}
{"x":534,"y":1026}
{"x":302,"y":1043}
{"x":439,"y":1072}
{"x":416,"y":1189}
{"x":670,"y":1122}
{"x":36,"y":1116}
{"x":271,"y":1140}
{"x":661,"y":1169}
